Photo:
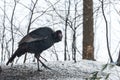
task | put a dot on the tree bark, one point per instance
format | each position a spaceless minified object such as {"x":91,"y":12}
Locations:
{"x":88,"y":35}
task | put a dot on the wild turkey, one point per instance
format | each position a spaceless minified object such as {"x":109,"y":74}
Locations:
{"x":36,"y":42}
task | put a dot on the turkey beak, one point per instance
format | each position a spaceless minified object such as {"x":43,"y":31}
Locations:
{"x":60,"y":36}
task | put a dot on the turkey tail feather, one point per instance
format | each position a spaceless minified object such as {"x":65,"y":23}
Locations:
{"x":18,"y":53}
{"x":11,"y":58}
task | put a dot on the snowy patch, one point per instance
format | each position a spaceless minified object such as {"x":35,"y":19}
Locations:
{"x":68,"y":70}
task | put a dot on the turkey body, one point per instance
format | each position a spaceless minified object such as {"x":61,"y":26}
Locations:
{"x":36,"y":42}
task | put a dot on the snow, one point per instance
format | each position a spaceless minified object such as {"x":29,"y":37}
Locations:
{"x":61,"y":70}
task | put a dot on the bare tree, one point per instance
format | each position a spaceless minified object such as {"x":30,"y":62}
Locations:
{"x":12,"y":29}
{"x":118,"y":60}
{"x":30,"y":21}
{"x":3,"y":33}
{"x":102,"y":2}
{"x":67,"y":13}
{"x":75,"y":24}
{"x":88,"y":35}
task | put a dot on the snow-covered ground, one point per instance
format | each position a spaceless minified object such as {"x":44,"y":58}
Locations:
{"x":68,"y":70}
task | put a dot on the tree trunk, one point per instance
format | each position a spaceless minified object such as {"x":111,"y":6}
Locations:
{"x":74,"y":47}
{"x":88,"y":35}
{"x":118,"y":60}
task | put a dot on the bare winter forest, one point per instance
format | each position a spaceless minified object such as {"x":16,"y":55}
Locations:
{"x":90,"y":29}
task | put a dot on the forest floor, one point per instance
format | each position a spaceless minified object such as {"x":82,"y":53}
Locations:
{"x":68,"y":70}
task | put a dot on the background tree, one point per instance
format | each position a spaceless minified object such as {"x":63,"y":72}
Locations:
{"x":107,"y":39}
{"x":118,"y":59}
{"x":88,"y":35}
{"x":30,"y":22}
